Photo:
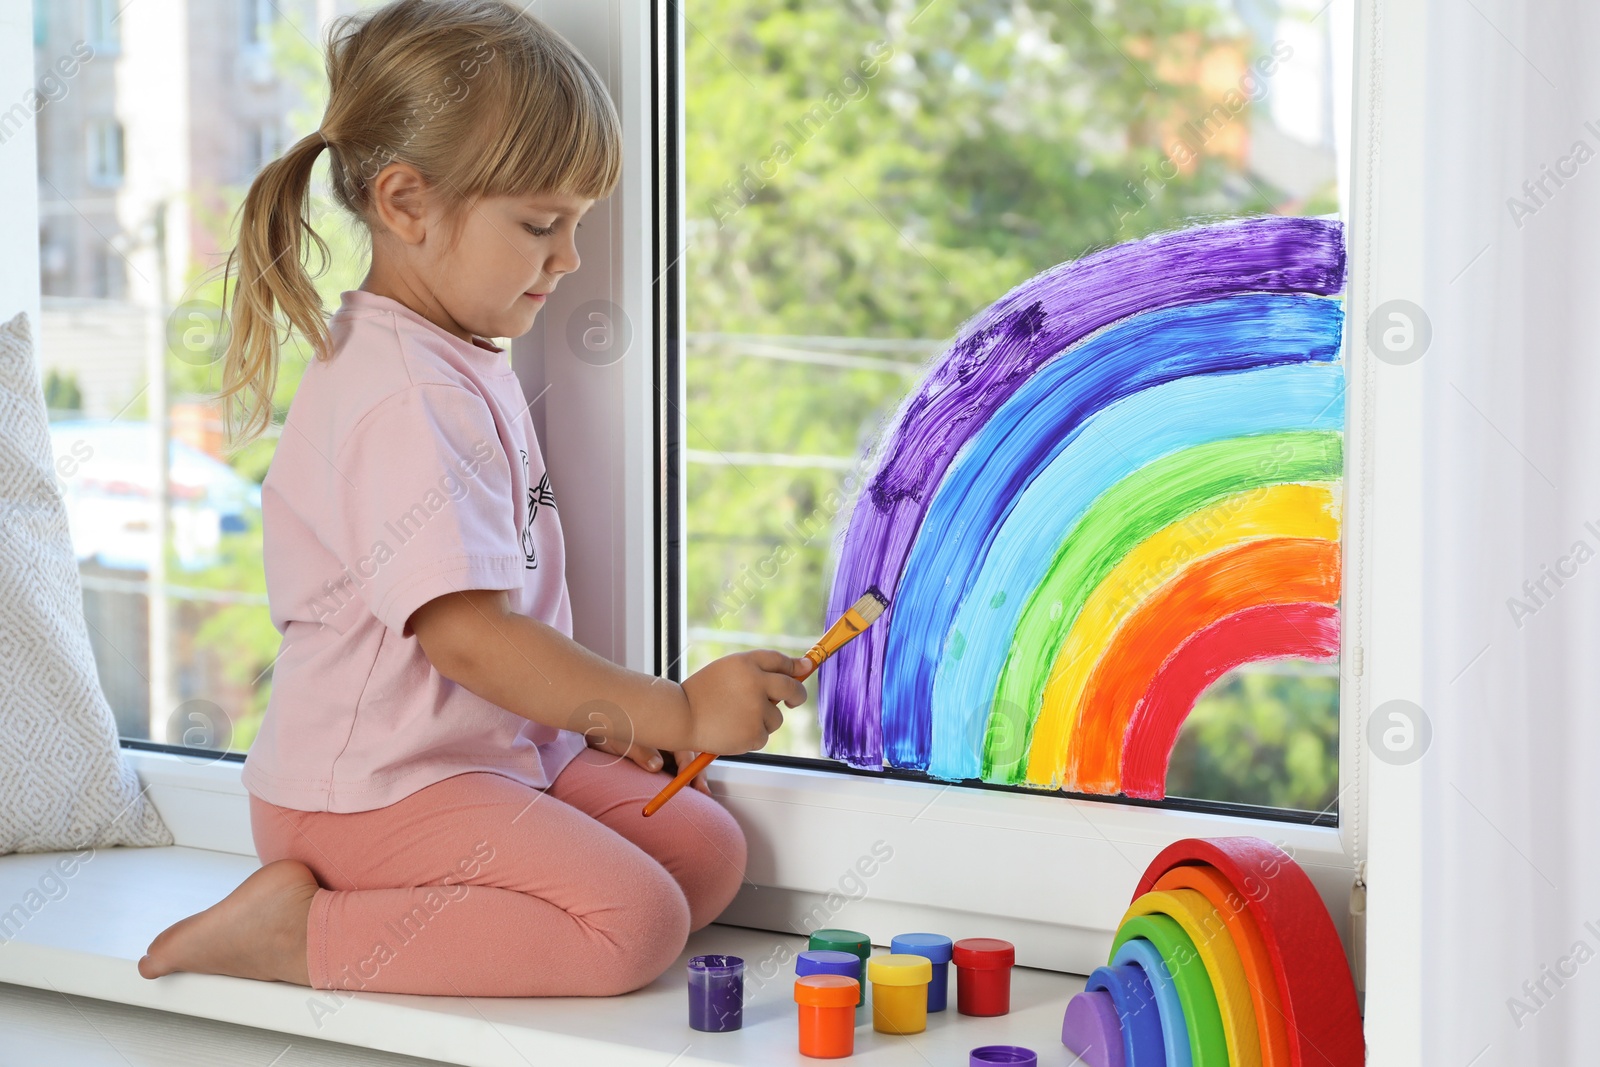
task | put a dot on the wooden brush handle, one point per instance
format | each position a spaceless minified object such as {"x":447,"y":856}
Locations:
{"x":685,"y":776}
{"x":811,"y":659}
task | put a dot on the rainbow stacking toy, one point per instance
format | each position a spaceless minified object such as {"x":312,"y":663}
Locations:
{"x":1225,"y":958}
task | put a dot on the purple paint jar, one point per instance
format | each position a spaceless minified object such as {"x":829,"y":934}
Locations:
{"x":1015,"y":1055}
{"x":828,"y":961}
{"x":716,"y":993}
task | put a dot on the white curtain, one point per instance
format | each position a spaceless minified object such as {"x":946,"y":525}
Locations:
{"x":1510,"y":810}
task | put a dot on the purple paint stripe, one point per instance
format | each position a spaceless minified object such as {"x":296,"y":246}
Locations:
{"x":993,"y":354}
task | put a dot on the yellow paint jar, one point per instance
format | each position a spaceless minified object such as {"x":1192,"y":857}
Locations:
{"x":899,"y":992}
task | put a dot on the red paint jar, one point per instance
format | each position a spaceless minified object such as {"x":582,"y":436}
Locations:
{"x":983,"y":975}
{"x":827,"y":1014}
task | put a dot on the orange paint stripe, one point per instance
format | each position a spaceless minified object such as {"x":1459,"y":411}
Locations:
{"x":1272,"y":571}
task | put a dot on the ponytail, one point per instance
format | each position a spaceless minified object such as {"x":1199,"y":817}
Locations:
{"x":268,"y":262}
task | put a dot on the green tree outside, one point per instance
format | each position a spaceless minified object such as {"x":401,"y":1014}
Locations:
{"x":882,"y":172}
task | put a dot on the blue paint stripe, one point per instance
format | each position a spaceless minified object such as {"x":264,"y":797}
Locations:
{"x":1112,"y":445}
{"x":1026,"y":433}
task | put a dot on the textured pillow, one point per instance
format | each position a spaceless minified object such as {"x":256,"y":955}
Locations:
{"x":63,"y":784}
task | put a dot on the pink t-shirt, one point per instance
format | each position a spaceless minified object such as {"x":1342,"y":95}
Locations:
{"x":408,"y":468}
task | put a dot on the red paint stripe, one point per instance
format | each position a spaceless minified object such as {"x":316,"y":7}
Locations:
{"x":1277,"y":570}
{"x":1268,"y":631}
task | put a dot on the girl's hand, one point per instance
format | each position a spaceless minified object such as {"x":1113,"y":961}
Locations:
{"x":733,"y":701}
{"x":649,"y":758}
{"x":698,"y":781}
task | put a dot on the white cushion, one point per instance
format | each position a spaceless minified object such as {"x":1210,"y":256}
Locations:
{"x":63,"y":783}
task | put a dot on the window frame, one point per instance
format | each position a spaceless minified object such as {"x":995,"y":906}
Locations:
{"x":623,"y":500}
{"x":103,"y":135}
{"x":673,"y":499}
{"x":256,"y":21}
{"x":101,"y":29}
{"x":807,"y":823}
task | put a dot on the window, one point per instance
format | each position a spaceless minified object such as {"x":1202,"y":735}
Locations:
{"x":780,"y":323}
{"x":105,"y":152}
{"x":175,"y":596}
{"x":264,"y":143}
{"x":880,"y":180}
{"x":104,"y":25}
{"x":256,"y":20}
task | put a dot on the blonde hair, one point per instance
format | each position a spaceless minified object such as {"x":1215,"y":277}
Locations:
{"x":483,"y":99}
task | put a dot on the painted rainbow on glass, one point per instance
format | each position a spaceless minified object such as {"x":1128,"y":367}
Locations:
{"x":1119,"y":483}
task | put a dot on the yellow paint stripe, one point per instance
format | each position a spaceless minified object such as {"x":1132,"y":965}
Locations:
{"x":1291,"y":510}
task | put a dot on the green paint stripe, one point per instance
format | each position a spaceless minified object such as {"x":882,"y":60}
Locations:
{"x":1145,"y":502}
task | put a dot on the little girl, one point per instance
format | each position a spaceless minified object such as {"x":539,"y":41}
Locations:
{"x":446,"y":789}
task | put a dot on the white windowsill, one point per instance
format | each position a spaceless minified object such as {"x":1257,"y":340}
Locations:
{"x":806,"y":830}
{"x":88,"y":941}
{"x":1067,"y":867}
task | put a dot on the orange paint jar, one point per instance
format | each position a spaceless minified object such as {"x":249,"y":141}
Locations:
{"x":827,"y":1014}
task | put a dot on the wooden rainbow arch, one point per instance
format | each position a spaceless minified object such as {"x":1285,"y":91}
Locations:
{"x":1225,"y":958}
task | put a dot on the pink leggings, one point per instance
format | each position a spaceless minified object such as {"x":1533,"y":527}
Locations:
{"x":480,"y":886}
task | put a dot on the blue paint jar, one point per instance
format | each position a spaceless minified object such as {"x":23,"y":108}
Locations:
{"x":937,"y":949}
{"x":827,"y":961}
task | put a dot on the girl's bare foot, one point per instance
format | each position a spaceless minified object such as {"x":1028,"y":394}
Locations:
{"x":256,"y":931}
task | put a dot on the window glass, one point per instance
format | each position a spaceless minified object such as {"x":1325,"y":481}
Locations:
{"x":105,"y":152}
{"x":136,"y":214}
{"x":102,"y":29}
{"x":863,"y":178}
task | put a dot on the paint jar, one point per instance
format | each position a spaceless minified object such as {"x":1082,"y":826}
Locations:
{"x":899,"y":993}
{"x":827,"y":1014}
{"x":1015,"y":1055}
{"x":845,"y":941}
{"x":827,"y":961}
{"x":716,"y":993}
{"x":936,"y":947}
{"x":983,"y":975}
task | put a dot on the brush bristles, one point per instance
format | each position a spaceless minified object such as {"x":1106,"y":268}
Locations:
{"x":871,"y":605}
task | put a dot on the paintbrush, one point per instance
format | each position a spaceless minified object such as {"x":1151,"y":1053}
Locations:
{"x":862,"y":614}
